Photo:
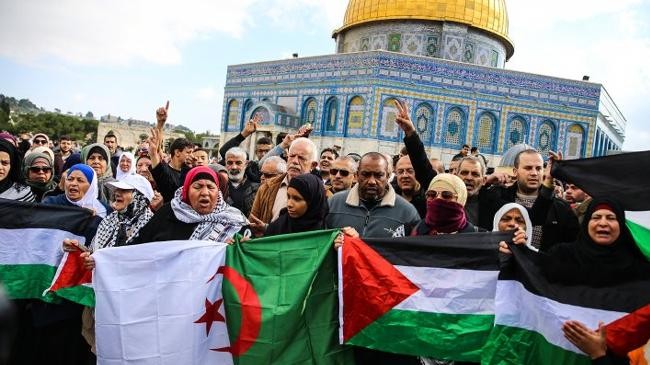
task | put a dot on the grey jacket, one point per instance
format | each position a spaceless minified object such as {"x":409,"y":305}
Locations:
{"x":392,"y":217}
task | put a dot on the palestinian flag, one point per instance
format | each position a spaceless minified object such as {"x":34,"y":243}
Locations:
{"x":423,"y":296}
{"x":623,"y":177}
{"x":530,"y":313}
{"x":72,"y":281}
{"x":281,"y":300}
{"x":31,"y":237}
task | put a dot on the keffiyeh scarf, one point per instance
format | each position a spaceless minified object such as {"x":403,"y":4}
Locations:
{"x":222,"y":223}
{"x":119,"y":228}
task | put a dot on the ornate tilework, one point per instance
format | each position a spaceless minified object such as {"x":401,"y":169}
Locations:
{"x":388,"y":115}
{"x":233,"y":115}
{"x":517,"y":132}
{"x":486,"y":127}
{"x":574,"y":142}
{"x":355,"y":115}
{"x":331,"y":114}
{"x":309,"y":111}
{"x":453,"y":127}
{"x":546,"y":138}
{"x":424,"y":118}
{"x":264,"y":113}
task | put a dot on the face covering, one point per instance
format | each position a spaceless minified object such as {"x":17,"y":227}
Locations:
{"x":444,"y":216}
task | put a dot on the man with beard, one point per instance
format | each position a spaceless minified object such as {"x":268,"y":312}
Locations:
{"x":272,"y":195}
{"x":343,"y":174}
{"x":65,"y":150}
{"x":241,"y":191}
{"x":372,"y":207}
{"x":408,"y":187}
{"x":578,"y":199}
{"x":552,"y":218}
{"x":327,"y":156}
{"x":262,"y":146}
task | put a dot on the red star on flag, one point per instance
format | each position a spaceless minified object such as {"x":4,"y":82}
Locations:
{"x":211,"y":315}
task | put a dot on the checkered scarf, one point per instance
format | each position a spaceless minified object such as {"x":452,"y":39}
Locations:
{"x":220,"y":224}
{"x":119,"y":228}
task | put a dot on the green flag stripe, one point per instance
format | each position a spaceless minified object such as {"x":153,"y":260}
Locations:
{"x":27,"y":281}
{"x":512,"y":345}
{"x":641,"y":235}
{"x":84,"y":295}
{"x":442,"y":336}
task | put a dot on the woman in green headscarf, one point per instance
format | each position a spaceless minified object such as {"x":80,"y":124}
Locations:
{"x":97,"y":156}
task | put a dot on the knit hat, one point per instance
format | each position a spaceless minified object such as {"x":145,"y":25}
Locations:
{"x":449,"y":182}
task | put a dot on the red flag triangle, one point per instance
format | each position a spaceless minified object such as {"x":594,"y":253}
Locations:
{"x":71,"y":272}
{"x":629,"y":332}
{"x":371,"y":286}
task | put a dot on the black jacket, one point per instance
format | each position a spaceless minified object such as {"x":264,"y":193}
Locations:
{"x":243,"y":196}
{"x":252,"y":170}
{"x":559,"y":223}
{"x":419,"y":201}
{"x":424,"y":172}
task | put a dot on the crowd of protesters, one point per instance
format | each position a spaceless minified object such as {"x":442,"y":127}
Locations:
{"x":150,"y":195}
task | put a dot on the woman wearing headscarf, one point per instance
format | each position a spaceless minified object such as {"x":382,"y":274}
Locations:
{"x":514,"y":217}
{"x":97,"y":156}
{"x":446,"y":199}
{"x":306,"y":207}
{"x":12,"y":185}
{"x":58,"y":326}
{"x":126,"y":166}
{"x":197,"y":212}
{"x":39,"y":173}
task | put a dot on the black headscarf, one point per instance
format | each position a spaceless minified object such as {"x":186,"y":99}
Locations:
{"x":586,"y":262}
{"x":312,"y":190}
{"x":15,"y":161}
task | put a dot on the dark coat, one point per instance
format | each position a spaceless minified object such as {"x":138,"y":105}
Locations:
{"x":247,"y":191}
{"x":164,"y":226}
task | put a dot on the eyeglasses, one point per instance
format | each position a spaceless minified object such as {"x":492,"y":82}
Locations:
{"x":37,"y":169}
{"x":344,"y":173}
{"x":445,"y":195}
{"x":40,"y":141}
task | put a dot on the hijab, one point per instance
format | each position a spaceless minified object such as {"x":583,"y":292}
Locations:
{"x":586,"y":262}
{"x":312,"y":191}
{"x":39,"y":187}
{"x":103,"y":150}
{"x":220,"y":224}
{"x":89,"y":200}
{"x":446,"y":216}
{"x":121,"y":174}
{"x":15,"y":163}
{"x":524,"y":213}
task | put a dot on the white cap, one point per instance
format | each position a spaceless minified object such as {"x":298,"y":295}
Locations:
{"x":134,"y":182}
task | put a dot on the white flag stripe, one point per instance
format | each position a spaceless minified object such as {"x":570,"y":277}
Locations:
{"x":148,"y":298}
{"x":450,"y":291}
{"x":33,"y":246}
{"x":641,"y":218}
{"x":543,"y":315}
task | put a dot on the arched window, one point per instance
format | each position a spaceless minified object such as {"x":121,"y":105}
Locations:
{"x":232,"y":116}
{"x":546,"y":138}
{"x":388,"y":129}
{"x":355,"y":115}
{"x":244,"y":112}
{"x":309,"y":110}
{"x":574,"y":142}
{"x":485,"y":130}
{"x":453,"y":127}
{"x":516,"y":132}
{"x":423,"y":119}
{"x":264,"y":113}
{"x":331,"y":115}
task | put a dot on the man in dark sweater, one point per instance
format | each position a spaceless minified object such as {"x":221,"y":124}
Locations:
{"x":262,"y":146}
{"x":241,"y":191}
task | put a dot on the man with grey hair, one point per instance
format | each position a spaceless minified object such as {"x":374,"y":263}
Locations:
{"x":241,"y":191}
{"x":272,"y":195}
{"x":272,"y":167}
{"x":343,"y":174}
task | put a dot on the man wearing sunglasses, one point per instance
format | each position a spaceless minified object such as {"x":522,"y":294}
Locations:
{"x":343,"y":174}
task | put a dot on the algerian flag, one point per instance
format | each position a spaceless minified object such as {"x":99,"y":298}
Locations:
{"x":161,"y":303}
{"x":530,"y":313}
{"x":31,"y":238}
{"x":425,"y":296}
{"x":622,"y":177}
{"x":280,"y":295}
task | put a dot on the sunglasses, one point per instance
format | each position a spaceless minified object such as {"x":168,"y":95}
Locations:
{"x":445,"y":195}
{"x":40,"y":141}
{"x":344,"y":173}
{"x":37,"y":169}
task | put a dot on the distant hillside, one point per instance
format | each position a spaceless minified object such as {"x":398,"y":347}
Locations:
{"x":21,"y":106}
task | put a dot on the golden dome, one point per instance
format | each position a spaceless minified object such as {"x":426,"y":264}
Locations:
{"x":488,"y":15}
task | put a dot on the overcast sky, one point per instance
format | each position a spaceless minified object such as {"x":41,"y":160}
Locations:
{"x":126,"y":57}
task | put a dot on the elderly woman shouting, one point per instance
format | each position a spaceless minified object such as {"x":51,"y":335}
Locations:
{"x":197,"y":212}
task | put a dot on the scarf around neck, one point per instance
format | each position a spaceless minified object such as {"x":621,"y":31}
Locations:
{"x":121,"y":227}
{"x":445,"y":216}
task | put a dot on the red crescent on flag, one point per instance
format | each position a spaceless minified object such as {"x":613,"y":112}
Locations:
{"x":251,"y":319}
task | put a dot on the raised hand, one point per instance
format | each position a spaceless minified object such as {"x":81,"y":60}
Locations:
{"x":403,"y":118}
{"x":548,"y":180}
{"x":161,"y":116}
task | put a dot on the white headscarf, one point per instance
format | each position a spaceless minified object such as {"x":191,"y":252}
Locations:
{"x":121,"y":174}
{"x":89,"y":200}
{"x":524,"y":213}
